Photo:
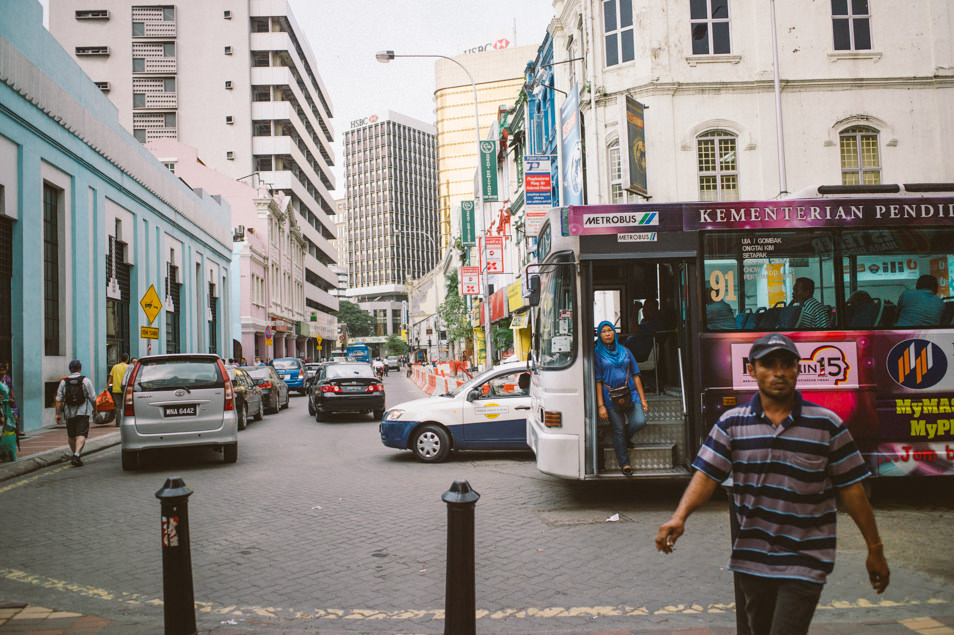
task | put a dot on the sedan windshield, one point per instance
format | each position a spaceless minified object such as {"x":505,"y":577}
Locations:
{"x":349,"y":370}
{"x":286,"y":364}
{"x":258,"y":372}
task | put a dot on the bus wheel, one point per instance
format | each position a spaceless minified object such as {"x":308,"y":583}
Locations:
{"x":431,"y":444}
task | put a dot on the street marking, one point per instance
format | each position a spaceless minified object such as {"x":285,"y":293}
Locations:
{"x":926,"y":626}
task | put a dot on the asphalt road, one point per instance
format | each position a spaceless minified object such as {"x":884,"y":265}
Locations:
{"x":319,"y":527}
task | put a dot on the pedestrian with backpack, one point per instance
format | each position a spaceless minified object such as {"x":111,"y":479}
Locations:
{"x":75,"y":400}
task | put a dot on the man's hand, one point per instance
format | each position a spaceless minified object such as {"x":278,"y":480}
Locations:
{"x":668,"y":534}
{"x":878,"y":571}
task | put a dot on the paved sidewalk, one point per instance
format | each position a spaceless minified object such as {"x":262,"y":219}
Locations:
{"x":48,"y":446}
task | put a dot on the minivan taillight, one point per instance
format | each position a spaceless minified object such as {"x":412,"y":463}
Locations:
{"x":229,"y":393}
{"x":129,"y":410}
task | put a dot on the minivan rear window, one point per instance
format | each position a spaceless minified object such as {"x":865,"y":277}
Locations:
{"x":286,"y":364}
{"x":173,"y":374}
{"x":349,"y":370}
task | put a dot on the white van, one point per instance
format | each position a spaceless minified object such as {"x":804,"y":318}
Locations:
{"x":488,"y":412}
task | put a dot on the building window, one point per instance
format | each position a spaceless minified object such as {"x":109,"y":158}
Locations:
{"x":228,"y":50}
{"x":718,"y":167}
{"x":139,"y":65}
{"x":138,"y":29}
{"x":262,"y":129}
{"x":709,"y":20}
{"x":228,"y":84}
{"x":139,"y":100}
{"x":860,"y":161}
{"x":851,"y":24}
{"x":169,"y":84}
{"x":169,"y":49}
{"x":261,"y":93}
{"x":228,"y":14}
{"x":51,"y":270}
{"x":92,"y":50}
{"x":168,"y":14}
{"x":618,"y":31}
{"x":260,"y":58}
{"x":617,"y":193}
{"x":263,"y":164}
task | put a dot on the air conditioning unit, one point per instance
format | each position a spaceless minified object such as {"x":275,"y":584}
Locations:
{"x":228,"y":84}
{"x":103,"y":86}
{"x":228,"y":119}
{"x":230,"y":155}
{"x":228,"y":50}
{"x":228,"y":14}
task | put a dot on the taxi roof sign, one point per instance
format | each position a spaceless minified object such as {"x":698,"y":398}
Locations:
{"x":151,"y":303}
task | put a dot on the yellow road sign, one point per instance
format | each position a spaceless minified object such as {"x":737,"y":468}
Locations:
{"x":318,"y":340}
{"x":151,"y":304}
{"x":149,"y":332}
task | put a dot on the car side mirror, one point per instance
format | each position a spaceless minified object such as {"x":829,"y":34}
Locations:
{"x":533,"y":299}
{"x":473,"y":395}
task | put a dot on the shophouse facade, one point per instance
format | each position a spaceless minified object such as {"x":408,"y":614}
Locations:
{"x":236,"y":80}
{"x":94,"y":225}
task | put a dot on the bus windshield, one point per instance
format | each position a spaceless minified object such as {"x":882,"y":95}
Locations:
{"x":557,"y":316}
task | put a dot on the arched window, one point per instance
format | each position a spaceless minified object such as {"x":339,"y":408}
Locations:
{"x":860,"y":160}
{"x":617,"y":193}
{"x":718,"y":167}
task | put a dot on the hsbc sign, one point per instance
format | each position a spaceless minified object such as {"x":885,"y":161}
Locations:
{"x":495,"y":45}
{"x":364,"y":121}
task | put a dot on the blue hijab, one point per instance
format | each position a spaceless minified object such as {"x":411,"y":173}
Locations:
{"x":614,"y":354}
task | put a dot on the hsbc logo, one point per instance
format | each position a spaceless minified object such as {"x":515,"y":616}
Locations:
{"x":502,"y":43}
{"x":357,"y":123}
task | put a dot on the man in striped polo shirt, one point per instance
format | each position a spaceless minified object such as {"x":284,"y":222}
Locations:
{"x":785,"y":455}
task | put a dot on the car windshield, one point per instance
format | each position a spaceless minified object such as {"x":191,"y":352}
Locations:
{"x":178,"y":373}
{"x":286,"y":364}
{"x":258,"y":372}
{"x":348,"y":370}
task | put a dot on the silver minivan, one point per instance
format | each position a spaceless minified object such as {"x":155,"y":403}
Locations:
{"x":178,"y":401}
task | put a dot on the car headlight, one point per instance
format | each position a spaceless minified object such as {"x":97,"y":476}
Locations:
{"x":393,"y":415}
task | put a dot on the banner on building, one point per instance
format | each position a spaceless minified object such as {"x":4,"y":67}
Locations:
{"x":538,"y":191}
{"x":470,"y":280}
{"x":488,"y":169}
{"x":493,"y":255}
{"x":468,"y":229}
{"x":480,"y":347}
{"x":632,"y":145}
{"x":572,"y":143}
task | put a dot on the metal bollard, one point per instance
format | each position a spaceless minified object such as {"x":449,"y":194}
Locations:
{"x":178,"y":602}
{"x":460,"y":617}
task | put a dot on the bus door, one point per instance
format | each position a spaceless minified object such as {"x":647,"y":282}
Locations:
{"x":649,"y":300}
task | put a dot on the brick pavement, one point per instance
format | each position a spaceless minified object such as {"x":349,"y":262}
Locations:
{"x":49,"y":446}
{"x":527,"y":571}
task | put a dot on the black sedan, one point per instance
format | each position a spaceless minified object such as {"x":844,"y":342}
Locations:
{"x":346,"y":387}
{"x":274,"y":390}
{"x":248,"y":397}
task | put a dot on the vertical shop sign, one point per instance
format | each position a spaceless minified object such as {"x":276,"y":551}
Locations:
{"x":634,"y":150}
{"x":572,"y":150}
{"x":494,"y":254}
{"x":468,"y":230}
{"x":538,"y":191}
{"x":470,"y":280}
{"x":488,"y":169}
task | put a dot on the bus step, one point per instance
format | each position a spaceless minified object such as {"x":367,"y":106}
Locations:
{"x":661,"y":432}
{"x":664,"y":408}
{"x":643,"y":457}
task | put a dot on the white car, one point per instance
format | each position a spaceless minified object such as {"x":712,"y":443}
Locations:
{"x":489,"y":412}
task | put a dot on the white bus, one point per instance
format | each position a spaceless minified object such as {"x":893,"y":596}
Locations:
{"x":893,"y":385}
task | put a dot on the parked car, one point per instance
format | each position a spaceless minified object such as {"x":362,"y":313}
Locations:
{"x":178,"y":401}
{"x":248,"y":397}
{"x":346,"y":387}
{"x":292,"y":372}
{"x":274,"y":390}
{"x":394,"y":362}
{"x":489,"y":412}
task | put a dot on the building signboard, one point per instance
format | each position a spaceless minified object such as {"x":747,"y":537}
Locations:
{"x":538,"y":191}
{"x":488,"y":169}
{"x":468,"y":228}
{"x":493,"y":252}
{"x":470,"y":280}
{"x":634,"y":150}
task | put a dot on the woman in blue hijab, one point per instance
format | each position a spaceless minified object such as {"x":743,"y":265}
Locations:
{"x":615,"y":367}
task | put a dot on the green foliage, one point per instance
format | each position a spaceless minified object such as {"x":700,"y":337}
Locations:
{"x":453,"y":312}
{"x":395,"y":345}
{"x":503,"y":336}
{"x":360,"y":322}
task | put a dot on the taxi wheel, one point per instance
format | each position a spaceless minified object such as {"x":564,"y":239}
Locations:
{"x":431,"y":444}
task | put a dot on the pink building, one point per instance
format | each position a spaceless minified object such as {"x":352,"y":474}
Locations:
{"x":268,"y":261}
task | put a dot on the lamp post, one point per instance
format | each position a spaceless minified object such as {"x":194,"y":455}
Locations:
{"x":386,"y":56}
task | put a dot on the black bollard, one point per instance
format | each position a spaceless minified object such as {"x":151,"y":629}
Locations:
{"x":460,"y":611}
{"x":178,"y":602}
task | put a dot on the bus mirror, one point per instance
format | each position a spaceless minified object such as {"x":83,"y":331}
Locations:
{"x":533,"y":299}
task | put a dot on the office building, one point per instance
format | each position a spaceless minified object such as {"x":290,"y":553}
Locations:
{"x":237,"y":81}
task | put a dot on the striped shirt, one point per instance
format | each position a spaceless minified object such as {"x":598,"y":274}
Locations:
{"x":783,"y":478}
{"x":815,"y":315}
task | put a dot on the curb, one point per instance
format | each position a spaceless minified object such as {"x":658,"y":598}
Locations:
{"x":52,"y":457}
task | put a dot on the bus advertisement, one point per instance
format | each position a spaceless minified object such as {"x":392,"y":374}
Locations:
{"x":858,"y":281}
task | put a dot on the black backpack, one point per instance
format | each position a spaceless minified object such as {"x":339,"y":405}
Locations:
{"x":74,"y":395}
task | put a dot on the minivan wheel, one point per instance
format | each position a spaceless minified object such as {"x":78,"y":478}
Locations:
{"x":130,"y":460}
{"x":230,"y":452}
{"x":243,"y":417}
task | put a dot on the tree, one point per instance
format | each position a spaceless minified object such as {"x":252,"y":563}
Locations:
{"x":395,"y":345}
{"x":360,"y":322}
{"x":453,"y":312}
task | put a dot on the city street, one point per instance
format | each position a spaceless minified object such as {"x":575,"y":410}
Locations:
{"x":318,"y":527}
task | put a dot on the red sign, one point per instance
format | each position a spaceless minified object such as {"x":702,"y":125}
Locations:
{"x":537,"y":182}
{"x":470,"y":280}
{"x":493,"y":254}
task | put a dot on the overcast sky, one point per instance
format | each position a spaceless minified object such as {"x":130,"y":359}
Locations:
{"x":345,"y":35}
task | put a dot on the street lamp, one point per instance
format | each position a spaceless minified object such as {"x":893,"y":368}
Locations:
{"x":386,"y":56}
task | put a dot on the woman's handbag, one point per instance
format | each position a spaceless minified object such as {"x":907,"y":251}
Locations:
{"x":621,"y":397}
